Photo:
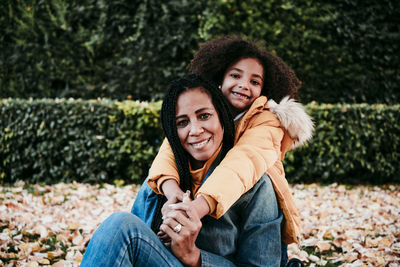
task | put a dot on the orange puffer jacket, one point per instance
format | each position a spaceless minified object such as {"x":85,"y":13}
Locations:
{"x":264,"y":134}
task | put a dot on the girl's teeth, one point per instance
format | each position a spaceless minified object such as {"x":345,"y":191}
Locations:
{"x":240,"y":95}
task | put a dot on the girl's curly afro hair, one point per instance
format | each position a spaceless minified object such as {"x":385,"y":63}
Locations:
{"x":217,"y":55}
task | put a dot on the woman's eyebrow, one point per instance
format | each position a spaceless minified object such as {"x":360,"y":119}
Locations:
{"x":202,"y":109}
{"x":197,"y":111}
{"x":180,"y":116}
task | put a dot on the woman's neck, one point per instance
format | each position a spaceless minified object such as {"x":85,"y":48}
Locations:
{"x":196,"y":164}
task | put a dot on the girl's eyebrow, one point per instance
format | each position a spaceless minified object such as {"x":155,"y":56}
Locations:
{"x":255,"y":75}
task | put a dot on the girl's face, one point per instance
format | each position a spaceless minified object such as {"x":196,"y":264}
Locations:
{"x":198,"y":125}
{"x":243,"y":82}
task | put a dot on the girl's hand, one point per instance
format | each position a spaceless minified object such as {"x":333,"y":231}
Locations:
{"x":164,"y":210}
{"x":172,"y":200}
{"x":183,"y":237}
{"x":172,"y":192}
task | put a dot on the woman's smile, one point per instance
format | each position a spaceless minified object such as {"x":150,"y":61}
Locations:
{"x":200,"y":144}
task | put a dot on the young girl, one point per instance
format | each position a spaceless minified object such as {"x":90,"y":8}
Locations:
{"x":248,"y":77}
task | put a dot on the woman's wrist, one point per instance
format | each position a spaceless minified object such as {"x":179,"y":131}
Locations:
{"x":194,"y":259}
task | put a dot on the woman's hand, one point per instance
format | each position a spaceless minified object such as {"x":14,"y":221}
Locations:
{"x":183,"y":237}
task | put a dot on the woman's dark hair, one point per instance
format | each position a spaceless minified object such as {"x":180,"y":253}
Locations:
{"x":217,"y":55}
{"x":168,"y":120}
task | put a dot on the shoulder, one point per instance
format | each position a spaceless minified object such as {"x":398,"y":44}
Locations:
{"x":294,"y":119}
{"x":260,"y":112}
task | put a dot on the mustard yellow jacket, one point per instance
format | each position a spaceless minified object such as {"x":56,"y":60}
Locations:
{"x":264,"y":134}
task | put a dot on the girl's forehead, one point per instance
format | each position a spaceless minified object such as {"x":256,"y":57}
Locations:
{"x":249,"y":64}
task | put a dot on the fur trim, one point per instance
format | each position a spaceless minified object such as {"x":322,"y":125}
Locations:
{"x":294,"y":119}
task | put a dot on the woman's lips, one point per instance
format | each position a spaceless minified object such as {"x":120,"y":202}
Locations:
{"x":200,"y":144}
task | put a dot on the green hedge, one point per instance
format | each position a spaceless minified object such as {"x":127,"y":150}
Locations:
{"x":343,"y":50}
{"x":95,"y":48}
{"x":356,"y":143}
{"x":66,"y":140}
{"x":101,"y":141}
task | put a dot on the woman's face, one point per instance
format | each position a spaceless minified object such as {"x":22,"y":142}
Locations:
{"x":243,"y":82}
{"x":198,"y":125}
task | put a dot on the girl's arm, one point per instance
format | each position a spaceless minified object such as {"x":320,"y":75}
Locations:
{"x":164,"y":179}
{"x":257,"y":149}
{"x":162,"y":169}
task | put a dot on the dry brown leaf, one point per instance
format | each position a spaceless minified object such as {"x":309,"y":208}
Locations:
{"x":362,"y":221}
{"x":77,"y":238}
{"x":55,"y":253}
{"x":350,"y":257}
{"x":32,"y":264}
{"x":324,"y":246}
{"x":44,"y":262}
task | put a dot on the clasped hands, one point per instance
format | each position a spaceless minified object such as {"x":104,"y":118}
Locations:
{"x":180,"y":228}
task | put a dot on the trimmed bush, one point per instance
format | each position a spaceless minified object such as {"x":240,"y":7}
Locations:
{"x":101,"y":141}
{"x":344,"y":50}
{"x":89,"y":141}
{"x":95,"y":48}
{"x":352,"y":144}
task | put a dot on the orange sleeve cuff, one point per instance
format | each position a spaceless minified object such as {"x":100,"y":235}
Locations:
{"x":212,"y":204}
{"x":156,"y":182}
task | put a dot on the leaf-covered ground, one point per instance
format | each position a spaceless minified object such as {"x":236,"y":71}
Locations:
{"x":51,"y":225}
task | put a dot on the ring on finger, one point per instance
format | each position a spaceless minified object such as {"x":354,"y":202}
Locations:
{"x":178,"y":228}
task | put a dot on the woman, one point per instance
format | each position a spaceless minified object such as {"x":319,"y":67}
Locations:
{"x":200,"y":130}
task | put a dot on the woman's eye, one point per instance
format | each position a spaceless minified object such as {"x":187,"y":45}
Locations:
{"x":234,"y":75}
{"x":182,"y":123}
{"x":204,"y":116}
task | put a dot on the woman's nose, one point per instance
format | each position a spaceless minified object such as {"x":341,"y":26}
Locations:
{"x":196,"y":129}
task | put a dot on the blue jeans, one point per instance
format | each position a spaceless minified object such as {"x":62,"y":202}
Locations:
{"x":125,"y":240}
{"x":247,"y":235}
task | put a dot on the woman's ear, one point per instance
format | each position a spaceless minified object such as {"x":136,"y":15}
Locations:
{"x":219,"y":86}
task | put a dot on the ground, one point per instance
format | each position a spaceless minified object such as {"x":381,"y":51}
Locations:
{"x":341,"y":225}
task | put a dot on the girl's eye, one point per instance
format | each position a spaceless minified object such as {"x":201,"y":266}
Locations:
{"x":204,"y":116}
{"x":182,"y":123}
{"x":254,"y":82}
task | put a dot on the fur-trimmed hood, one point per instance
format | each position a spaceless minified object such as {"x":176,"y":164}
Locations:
{"x":294,"y":119}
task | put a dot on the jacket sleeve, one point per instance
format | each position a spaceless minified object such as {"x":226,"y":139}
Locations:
{"x":256,"y":150}
{"x":162,"y":168}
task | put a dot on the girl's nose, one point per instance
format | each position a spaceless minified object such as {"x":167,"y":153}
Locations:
{"x":244,"y":86}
